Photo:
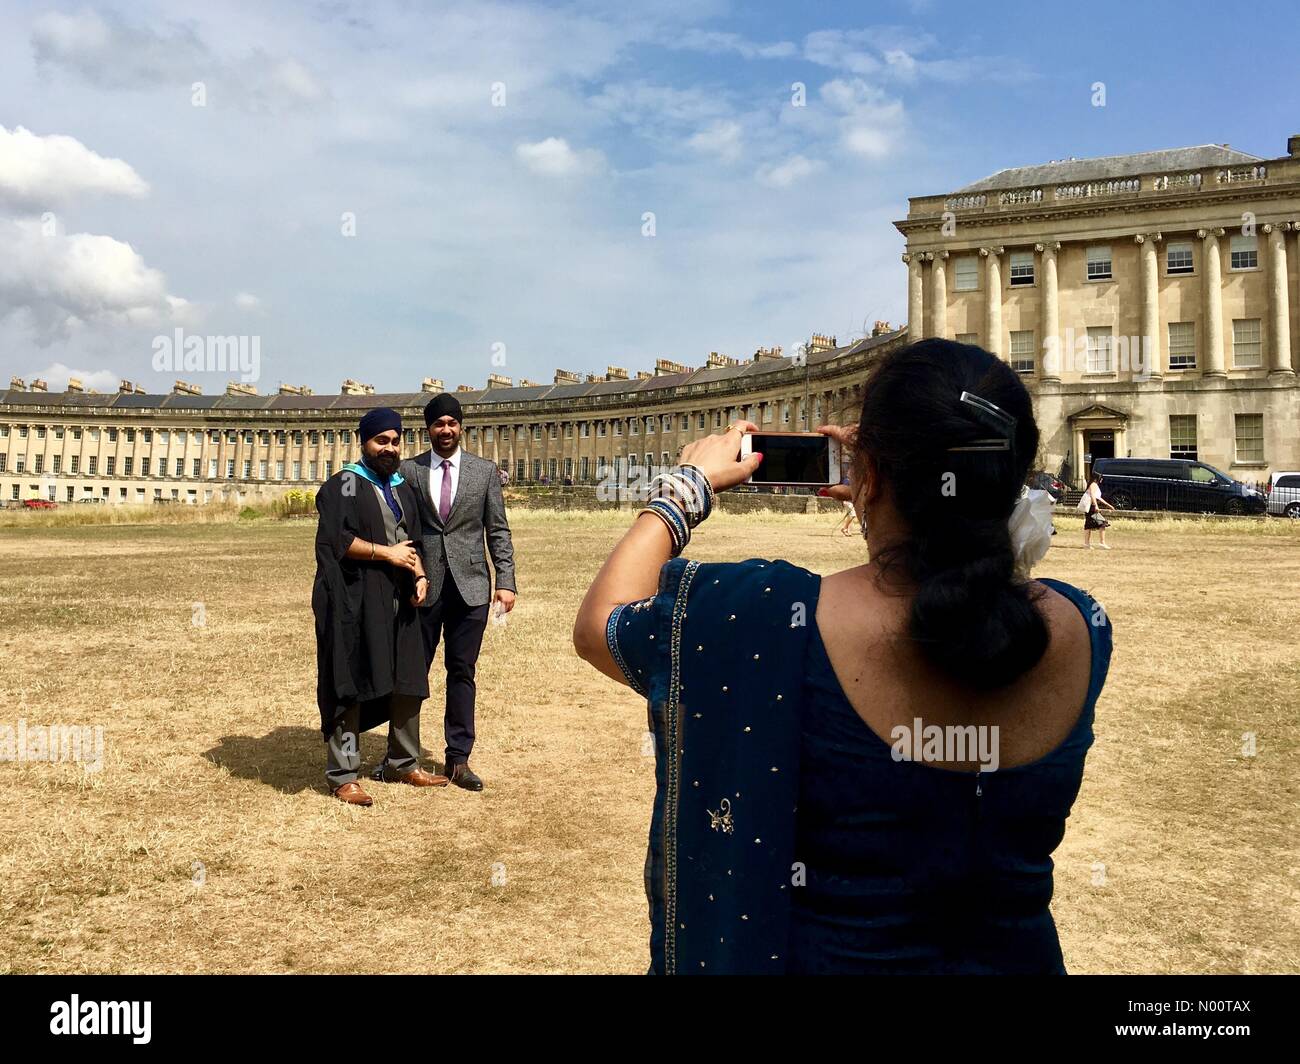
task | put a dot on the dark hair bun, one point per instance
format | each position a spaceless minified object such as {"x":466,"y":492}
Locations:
{"x":971,"y":616}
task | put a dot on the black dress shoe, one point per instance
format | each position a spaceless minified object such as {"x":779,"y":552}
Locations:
{"x":463,"y":776}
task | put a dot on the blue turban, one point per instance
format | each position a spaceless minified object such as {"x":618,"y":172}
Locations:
{"x":381,"y":419}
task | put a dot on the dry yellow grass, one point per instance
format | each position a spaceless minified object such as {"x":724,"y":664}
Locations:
{"x":213,"y":762}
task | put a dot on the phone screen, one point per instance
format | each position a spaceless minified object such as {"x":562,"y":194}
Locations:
{"x":792,"y":459}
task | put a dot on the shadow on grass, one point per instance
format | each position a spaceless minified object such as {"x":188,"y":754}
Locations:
{"x":292,"y":759}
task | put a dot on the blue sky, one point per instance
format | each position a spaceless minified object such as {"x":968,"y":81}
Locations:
{"x":511,"y":238}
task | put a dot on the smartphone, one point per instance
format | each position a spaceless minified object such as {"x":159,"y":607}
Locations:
{"x":804,"y":459}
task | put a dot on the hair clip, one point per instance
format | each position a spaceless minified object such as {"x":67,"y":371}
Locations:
{"x":1000,"y":444}
{"x":987,"y":413}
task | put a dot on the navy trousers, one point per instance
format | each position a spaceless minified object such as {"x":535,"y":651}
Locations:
{"x":460,"y":628}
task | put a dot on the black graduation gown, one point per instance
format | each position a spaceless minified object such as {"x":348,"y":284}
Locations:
{"x":363,"y":653}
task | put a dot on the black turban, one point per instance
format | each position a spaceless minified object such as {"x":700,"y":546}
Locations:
{"x":381,"y":419}
{"x":442,"y":406}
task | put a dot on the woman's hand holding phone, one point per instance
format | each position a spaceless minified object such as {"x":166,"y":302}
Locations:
{"x":719,"y":456}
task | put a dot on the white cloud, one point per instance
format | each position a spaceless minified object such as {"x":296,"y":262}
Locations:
{"x":63,"y":282}
{"x":640,"y":103}
{"x":895,"y":52}
{"x":788,"y":172}
{"x":553,"y":157}
{"x":111,"y":53}
{"x":717,"y":43}
{"x":871,"y":122}
{"x":901,"y":63}
{"x":297,"y":80}
{"x":40,"y":172}
{"x":247,"y":301}
{"x":841,"y":50}
{"x":108,"y":52}
{"x":56,"y":376}
{"x":722,"y":139}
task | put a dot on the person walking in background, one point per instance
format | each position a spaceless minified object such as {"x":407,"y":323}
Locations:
{"x":1091,"y":504}
{"x":787,"y":834}
{"x":461,"y":505}
{"x":850,"y":515}
{"x":370,"y":579}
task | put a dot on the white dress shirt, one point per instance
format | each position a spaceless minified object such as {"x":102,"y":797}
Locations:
{"x":436,"y":474}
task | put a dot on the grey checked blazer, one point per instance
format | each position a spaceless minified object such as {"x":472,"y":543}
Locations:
{"x":477,"y":512}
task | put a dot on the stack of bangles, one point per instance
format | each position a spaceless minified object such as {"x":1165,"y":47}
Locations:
{"x":681,"y":497}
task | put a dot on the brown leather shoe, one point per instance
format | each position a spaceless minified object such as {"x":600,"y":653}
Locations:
{"x":417,"y":777}
{"x":352,"y":794}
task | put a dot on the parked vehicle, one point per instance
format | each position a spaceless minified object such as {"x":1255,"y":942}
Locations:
{"x":1042,"y":480}
{"x":39,"y":504}
{"x":1174,"y":484}
{"x":1283,"y":493}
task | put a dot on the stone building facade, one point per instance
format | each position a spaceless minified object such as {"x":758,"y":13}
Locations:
{"x":1149,"y":300}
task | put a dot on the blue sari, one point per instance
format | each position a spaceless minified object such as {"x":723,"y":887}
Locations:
{"x":723,"y":683}
{"x":721,"y":653}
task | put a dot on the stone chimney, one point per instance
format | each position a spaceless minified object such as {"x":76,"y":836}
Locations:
{"x":184,"y":388}
{"x":1293,"y":145}
{"x":74,"y":385}
{"x":766,"y":354}
{"x":564,"y":376}
{"x":125,"y":387}
{"x":38,"y":386}
{"x":351,"y":387}
{"x":821,"y":342}
{"x":643,"y":375}
{"x":880,"y":328}
{"x":716,"y":360}
{"x":524,"y":382}
{"x":615,"y":373}
{"x":664,"y":366}
{"x":499,"y":380}
{"x":593,"y":378}
{"x":432,"y":384}
{"x":17,"y":384}
{"x":240,"y":388}
{"x":294,"y":389}
{"x":464,"y":387}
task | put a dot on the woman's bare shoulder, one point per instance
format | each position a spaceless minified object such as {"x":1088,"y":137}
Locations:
{"x":1065,"y":621}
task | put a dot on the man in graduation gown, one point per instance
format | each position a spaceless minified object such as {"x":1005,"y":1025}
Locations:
{"x":370,"y":581}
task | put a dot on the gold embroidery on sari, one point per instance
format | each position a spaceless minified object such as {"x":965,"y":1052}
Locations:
{"x":672,"y":717}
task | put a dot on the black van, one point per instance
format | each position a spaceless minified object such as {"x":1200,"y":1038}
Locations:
{"x":1174,"y":484}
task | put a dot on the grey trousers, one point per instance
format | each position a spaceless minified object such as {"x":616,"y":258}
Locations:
{"x":343,"y":748}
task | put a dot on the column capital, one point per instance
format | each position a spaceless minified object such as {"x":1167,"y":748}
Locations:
{"x":995,"y":251}
{"x":941,"y":254}
{"x":907,"y":258}
{"x":1205,"y":234}
{"x":927,"y":256}
{"x":1142,"y":238}
{"x":1052,"y":246}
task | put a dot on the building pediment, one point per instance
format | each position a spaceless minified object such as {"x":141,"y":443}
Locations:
{"x":1099,"y":412}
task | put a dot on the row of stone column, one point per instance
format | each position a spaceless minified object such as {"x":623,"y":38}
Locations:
{"x":834,"y":406}
{"x":1212,"y":360}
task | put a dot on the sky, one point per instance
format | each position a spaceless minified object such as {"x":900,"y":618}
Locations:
{"x":389,"y":191}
